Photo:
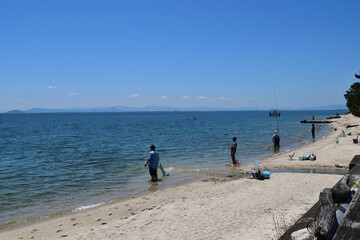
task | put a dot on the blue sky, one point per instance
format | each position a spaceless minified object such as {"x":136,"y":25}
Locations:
{"x":61,"y":54}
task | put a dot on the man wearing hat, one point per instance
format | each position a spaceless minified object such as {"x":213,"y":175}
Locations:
{"x":276,"y":140}
{"x":152,"y":163}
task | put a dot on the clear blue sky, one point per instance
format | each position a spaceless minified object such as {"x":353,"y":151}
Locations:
{"x":60,"y":54}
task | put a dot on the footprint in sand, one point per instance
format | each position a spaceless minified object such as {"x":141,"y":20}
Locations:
{"x":60,"y":230}
{"x":110,"y":214}
{"x":98,"y":220}
{"x":73,"y":219}
{"x":64,"y":235}
{"x":75,"y":224}
{"x":146,"y":209}
{"x":103,"y":223}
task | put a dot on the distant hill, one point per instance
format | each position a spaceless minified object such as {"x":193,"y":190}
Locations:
{"x":167,"y":109}
{"x":14,"y":111}
{"x":69,"y":110}
{"x":329,"y":107}
{"x":126,"y":109}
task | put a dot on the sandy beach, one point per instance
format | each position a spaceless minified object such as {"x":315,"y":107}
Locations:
{"x":214,"y":208}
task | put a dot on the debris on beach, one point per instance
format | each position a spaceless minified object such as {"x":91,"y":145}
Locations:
{"x":339,"y":166}
{"x":351,"y":125}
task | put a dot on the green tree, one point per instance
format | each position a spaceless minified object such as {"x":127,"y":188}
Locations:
{"x":353,"y":98}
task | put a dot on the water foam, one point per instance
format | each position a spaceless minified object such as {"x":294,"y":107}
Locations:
{"x":87,"y":207}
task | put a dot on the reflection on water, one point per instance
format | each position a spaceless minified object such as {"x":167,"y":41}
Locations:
{"x":153,"y":186}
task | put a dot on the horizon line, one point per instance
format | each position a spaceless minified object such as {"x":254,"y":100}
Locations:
{"x":166,"y":109}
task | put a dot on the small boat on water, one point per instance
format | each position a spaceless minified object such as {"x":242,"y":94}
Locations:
{"x":274,"y":114}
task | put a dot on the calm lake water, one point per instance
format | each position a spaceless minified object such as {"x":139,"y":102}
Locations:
{"x":59,"y":162}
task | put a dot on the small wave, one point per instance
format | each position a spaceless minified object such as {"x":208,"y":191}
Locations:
{"x":169,"y":169}
{"x":87,"y":207}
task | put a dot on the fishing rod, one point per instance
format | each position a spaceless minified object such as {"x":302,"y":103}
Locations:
{"x":277,"y":115}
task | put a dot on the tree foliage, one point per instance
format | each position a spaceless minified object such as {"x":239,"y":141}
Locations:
{"x":353,"y":99}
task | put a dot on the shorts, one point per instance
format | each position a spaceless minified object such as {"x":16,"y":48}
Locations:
{"x":152,"y":171}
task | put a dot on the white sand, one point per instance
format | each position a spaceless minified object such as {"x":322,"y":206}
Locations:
{"x":212,"y":208}
{"x":327,"y":152}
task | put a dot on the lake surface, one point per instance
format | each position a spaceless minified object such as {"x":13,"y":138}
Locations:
{"x":59,"y":162}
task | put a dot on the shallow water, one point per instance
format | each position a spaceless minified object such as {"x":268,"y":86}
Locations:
{"x":50,"y":163}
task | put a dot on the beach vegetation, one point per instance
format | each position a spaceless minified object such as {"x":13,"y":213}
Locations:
{"x":356,"y":184}
{"x":357,"y":76}
{"x":352,"y":97}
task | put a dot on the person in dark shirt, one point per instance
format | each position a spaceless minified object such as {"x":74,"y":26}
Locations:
{"x":276,"y":140}
{"x":313,"y":131}
{"x":233,"y":150}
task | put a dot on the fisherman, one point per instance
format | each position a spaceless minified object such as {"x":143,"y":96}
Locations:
{"x":276,"y":140}
{"x":152,"y":163}
{"x":233,"y":150}
{"x":313,"y":131}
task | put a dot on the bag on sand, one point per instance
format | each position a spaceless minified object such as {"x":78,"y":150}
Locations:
{"x":312,"y":157}
{"x":261,"y":175}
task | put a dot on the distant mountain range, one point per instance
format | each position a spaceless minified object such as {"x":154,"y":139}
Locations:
{"x":163,"y":109}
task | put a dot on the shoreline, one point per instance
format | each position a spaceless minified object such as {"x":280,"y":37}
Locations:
{"x":243,"y":173}
{"x":208,"y":203}
{"x":324,"y":148}
{"x":125,"y":178}
{"x":201,"y":204}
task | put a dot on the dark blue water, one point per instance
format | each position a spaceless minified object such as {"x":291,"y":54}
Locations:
{"x":51,"y":163}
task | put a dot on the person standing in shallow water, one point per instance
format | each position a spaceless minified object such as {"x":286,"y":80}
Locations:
{"x":276,"y":140}
{"x":313,"y":131}
{"x":152,"y":163}
{"x":233,"y":150}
